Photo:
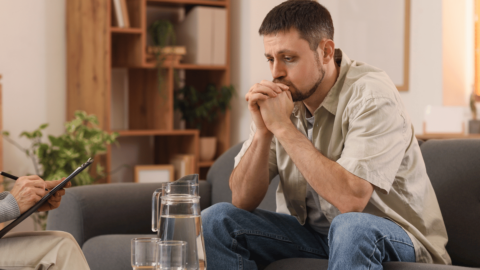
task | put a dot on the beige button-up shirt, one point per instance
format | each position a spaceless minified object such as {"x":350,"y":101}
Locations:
{"x":363,"y":126}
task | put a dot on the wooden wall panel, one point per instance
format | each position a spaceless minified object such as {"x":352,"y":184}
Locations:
{"x":148,"y":108}
{"x":135,"y":12}
{"x":88,"y":60}
{"x":127,"y":50}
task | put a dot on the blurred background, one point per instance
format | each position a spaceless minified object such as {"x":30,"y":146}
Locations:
{"x":118,"y":60}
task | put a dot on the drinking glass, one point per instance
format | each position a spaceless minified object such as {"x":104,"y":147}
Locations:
{"x":144,"y":252}
{"x":171,"y":255}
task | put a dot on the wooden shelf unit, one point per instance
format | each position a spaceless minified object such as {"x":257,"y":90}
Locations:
{"x":95,"y":46}
{"x":126,"y":30}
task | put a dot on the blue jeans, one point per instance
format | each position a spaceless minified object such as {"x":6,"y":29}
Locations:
{"x":238,"y":239}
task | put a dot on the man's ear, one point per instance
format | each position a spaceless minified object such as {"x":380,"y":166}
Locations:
{"x":327,"y":47}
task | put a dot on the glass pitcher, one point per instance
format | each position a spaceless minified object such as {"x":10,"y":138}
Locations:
{"x":176,"y":216}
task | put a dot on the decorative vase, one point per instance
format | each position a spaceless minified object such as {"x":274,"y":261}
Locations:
{"x":474,"y":127}
{"x":208,"y":148}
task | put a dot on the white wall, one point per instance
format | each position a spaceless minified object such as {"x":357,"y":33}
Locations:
{"x":248,"y":63}
{"x":32,"y":64}
{"x":425,"y":60}
{"x":249,"y":66}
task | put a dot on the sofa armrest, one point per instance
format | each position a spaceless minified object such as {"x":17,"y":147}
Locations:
{"x":125,"y":208}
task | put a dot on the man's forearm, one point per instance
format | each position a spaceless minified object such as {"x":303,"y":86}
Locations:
{"x":329,"y":179}
{"x":250,"y":179}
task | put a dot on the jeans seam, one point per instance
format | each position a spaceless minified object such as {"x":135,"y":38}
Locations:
{"x":376,"y":247}
{"x":240,"y":262}
{"x":373,"y":252}
{"x":234,"y":245}
{"x":401,"y":242}
{"x":258,"y":233}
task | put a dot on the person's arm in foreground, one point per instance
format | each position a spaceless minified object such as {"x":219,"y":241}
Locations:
{"x":329,"y":179}
{"x":250,"y":179}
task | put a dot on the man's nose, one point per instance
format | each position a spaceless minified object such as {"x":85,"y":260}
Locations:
{"x":278,"y":70}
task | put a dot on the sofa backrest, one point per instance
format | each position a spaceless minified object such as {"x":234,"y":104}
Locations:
{"x":116,"y":208}
{"x":454,"y":170}
{"x":219,"y":174}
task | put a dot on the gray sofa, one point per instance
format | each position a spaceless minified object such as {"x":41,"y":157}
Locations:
{"x":104,"y":218}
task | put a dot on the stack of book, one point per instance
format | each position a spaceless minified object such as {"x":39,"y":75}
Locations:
{"x":121,"y":13}
{"x":203,"y":32}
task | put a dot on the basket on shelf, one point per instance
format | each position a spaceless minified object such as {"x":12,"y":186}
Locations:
{"x":173,"y":54}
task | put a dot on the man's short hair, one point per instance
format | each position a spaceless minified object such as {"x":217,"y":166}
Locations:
{"x":308,"y":17}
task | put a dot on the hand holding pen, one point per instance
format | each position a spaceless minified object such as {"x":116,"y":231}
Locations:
{"x":28,"y":190}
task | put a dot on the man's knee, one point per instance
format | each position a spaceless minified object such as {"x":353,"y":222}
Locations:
{"x":220,"y":214}
{"x":350,"y":227}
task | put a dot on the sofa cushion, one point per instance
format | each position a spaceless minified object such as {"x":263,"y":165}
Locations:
{"x":110,"y":251}
{"x":317,"y":264}
{"x":454,"y":170}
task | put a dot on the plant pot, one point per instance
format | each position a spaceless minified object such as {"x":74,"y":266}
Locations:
{"x":474,"y":127}
{"x":208,"y":148}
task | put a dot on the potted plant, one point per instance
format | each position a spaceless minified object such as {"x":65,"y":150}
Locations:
{"x":63,"y":154}
{"x":163,"y":36}
{"x":199,"y":107}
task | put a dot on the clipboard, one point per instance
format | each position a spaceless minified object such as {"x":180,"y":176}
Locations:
{"x":45,"y":198}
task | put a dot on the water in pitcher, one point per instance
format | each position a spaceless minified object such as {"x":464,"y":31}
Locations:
{"x":180,"y":227}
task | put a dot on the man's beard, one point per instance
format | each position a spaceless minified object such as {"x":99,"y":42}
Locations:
{"x":298,"y":95}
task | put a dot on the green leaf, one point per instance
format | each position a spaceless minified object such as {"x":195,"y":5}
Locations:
{"x":26,"y":134}
{"x":5,"y":133}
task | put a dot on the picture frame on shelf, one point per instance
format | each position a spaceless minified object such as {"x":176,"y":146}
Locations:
{"x":154,"y":173}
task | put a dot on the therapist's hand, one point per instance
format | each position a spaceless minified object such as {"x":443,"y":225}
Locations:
{"x":55,"y":200}
{"x":28,"y":190}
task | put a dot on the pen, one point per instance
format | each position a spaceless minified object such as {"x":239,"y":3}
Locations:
{"x":13,"y":177}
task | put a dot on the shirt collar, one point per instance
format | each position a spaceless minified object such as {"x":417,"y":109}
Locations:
{"x":330,"y":102}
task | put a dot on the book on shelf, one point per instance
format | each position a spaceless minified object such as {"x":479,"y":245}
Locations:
{"x":203,"y":33}
{"x":184,"y":164}
{"x":126,"y":20}
{"x":219,"y":50}
{"x":121,"y":13}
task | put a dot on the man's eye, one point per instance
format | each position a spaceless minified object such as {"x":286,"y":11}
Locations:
{"x":288,"y":59}
{"x":270,"y":60}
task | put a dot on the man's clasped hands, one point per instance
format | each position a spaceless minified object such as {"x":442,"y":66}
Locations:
{"x":270,"y":105}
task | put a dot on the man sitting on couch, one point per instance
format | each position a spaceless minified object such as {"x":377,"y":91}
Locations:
{"x":36,"y":250}
{"x":353,"y":185}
